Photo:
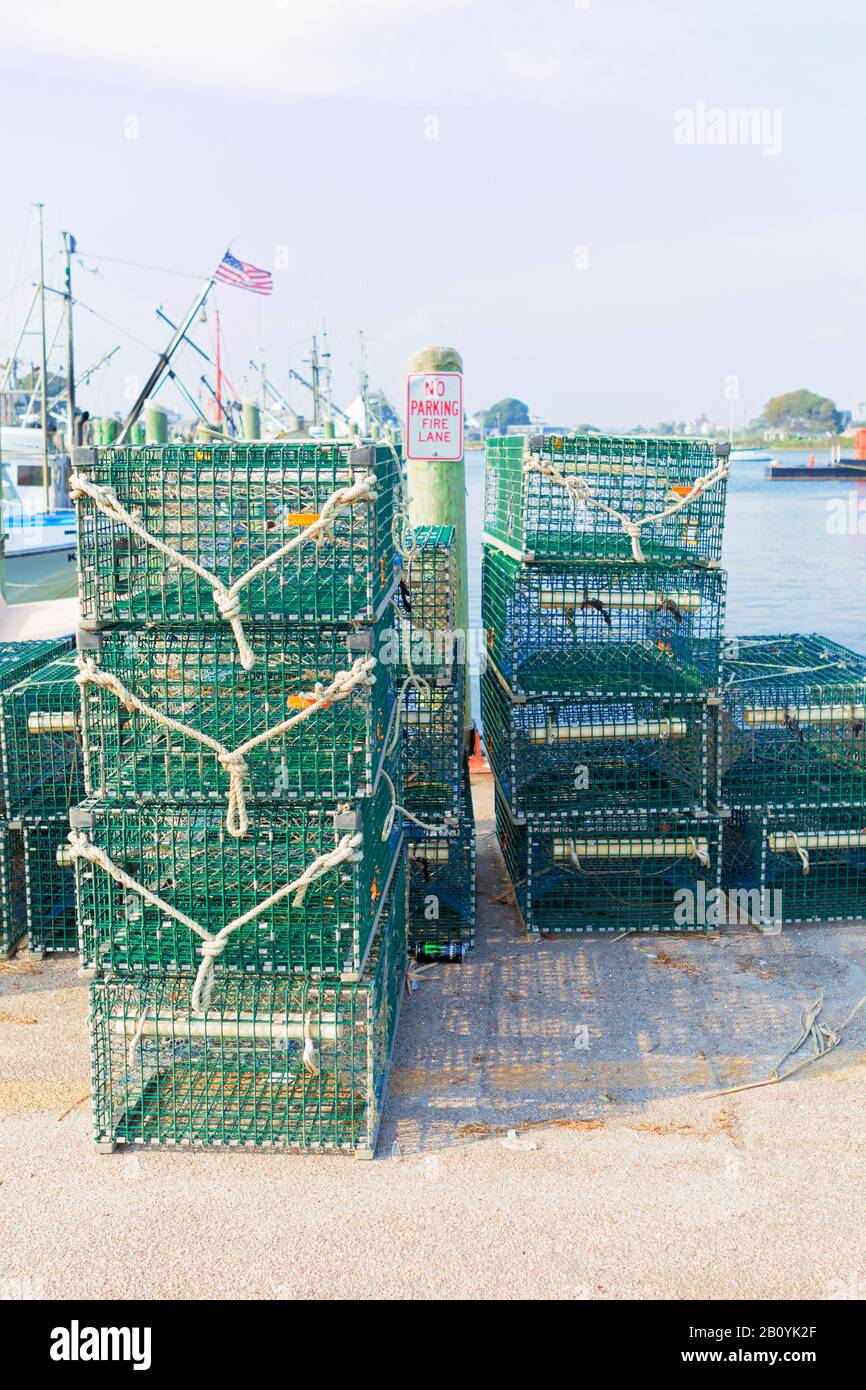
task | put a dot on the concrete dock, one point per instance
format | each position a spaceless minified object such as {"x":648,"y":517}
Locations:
{"x":626,"y":1176}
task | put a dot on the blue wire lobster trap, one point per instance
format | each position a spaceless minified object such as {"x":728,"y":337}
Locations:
{"x":613,"y":873}
{"x":567,"y":755}
{"x":615,"y":630}
{"x":792,"y":723}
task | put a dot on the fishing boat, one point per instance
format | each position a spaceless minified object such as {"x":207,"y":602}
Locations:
{"x":751,"y":456}
{"x":38,"y":543}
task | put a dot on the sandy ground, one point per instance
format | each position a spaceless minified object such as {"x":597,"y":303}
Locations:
{"x":629,"y":1178}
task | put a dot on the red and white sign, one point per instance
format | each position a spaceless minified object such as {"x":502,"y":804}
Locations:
{"x":434,"y":416}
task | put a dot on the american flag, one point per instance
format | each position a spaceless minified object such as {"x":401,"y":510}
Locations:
{"x":231,"y":271}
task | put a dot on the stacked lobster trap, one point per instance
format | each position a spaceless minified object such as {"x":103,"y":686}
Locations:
{"x":40,"y":778}
{"x":790,"y":760}
{"x":238,"y":859}
{"x":603,"y":604}
{"x":437,"y":796}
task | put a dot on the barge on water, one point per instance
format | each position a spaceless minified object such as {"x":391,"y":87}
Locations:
{"x":838,"y":467}
{"x":842,"y":468}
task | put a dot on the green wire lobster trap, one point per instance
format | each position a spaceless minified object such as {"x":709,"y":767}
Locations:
{"x":40,"y":744}
{"x":429,"y":589}
{"x":567,"y":755}
{"x":608,"y":629}
{"x":428,"y":600}
{"x":309,"y":721}
{"x":431,"y":742}
{"x":13,"y":905}
{"x":190,"y":533}
{"x":20,"y":659}
{"x":598,"y":497}
{"x":796,"y":865}
{"x":614,"y":873}
{"x":232,"y":889}
{"x":282,"y":1065}
{"x":49,"y":889}
{"x":441,"y":871}
{"x":792,"y":723}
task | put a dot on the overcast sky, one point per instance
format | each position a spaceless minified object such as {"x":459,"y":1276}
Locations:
{"x":541,"y":185}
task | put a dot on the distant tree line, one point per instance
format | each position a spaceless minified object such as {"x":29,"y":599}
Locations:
{"x":803,"y":412}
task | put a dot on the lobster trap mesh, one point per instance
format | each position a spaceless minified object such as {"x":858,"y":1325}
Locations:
{"x":228,"y":507}
{"x":566,"y":756}
{"x":185,"y":857}
{"x":615,"y":873}
{"x":792,"y":724}
{"x":49,"y":889}
{"x":13,"y":905}
{"x":194,"y":675}
{"x":236,"y":1075}
{"x":797,"y":865}
{"x":20,"y":659}
{"x":429,"y":589}
{"x":431,"y":738}
{"x":426,"y":605}
{"x":442,"y":888}
{"x":540,"y":519}
{"x":611,"y":629}
{"x":40,"y":744}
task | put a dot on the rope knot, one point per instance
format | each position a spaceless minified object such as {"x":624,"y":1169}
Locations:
{"x":632,"y":530}
{"x":87,"y":670}
{"x":232,"y":761}
{"x":228,"y":603}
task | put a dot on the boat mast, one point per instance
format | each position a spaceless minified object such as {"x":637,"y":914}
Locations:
{"x":365,"y":425}
{"x":165,"y":357}
{"x":314,"y":373}
{"x":219,"y":375}
{"x":70,"y":353}
{"x":44,"y":392}
{"x":326,"y":358}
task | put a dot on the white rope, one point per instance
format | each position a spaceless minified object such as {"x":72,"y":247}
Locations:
{"x":311,"y":1054}
{"x":580,"y":491}
{"x":227,"y":596}
{"x":572,"y":854}
{"x":213,"y":944}
{"x":695,"y":852}
{"x":135,"y":1044}
{"x":794,"y":842}
{"x":402,"y":531}
{"x":395,"y":807}
{"x":232,"y":760}
{"x":781,"y":673}
{"x":410,"y":682}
